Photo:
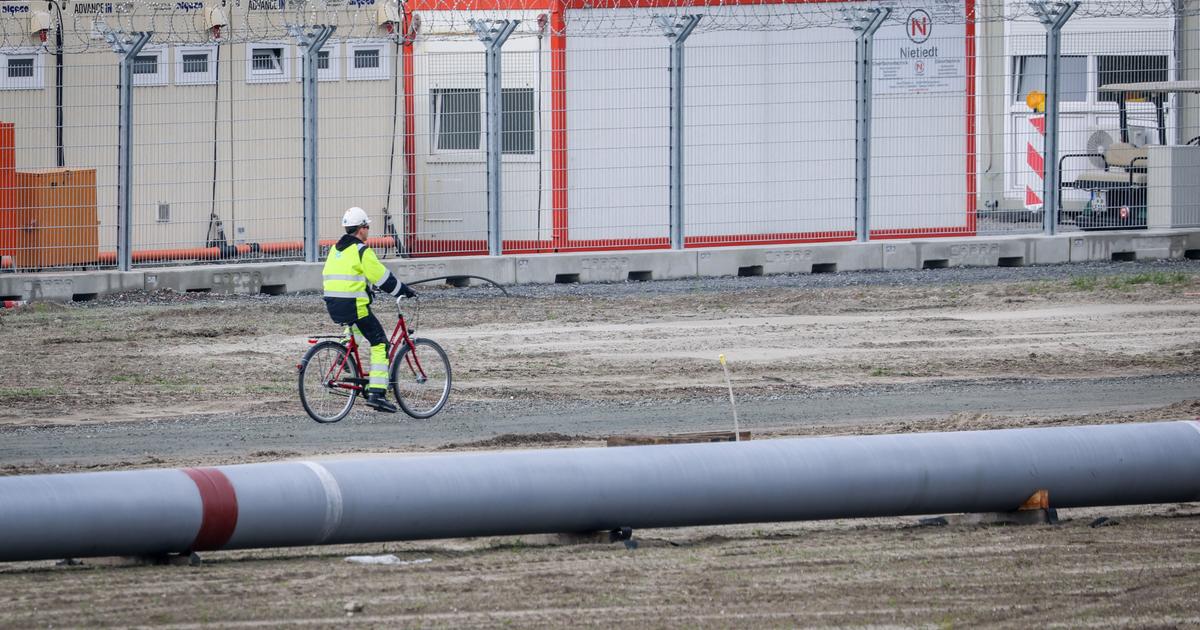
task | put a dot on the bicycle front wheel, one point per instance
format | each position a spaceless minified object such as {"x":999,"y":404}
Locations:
{"x":420,"y":378}
{"x":329,"y":381}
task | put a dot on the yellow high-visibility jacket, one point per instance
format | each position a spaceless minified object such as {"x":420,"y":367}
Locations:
{"x":350,"y":270}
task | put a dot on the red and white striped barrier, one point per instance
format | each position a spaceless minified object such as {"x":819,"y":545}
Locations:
{"x":1035,"y":158}
{"x":12,"y":303}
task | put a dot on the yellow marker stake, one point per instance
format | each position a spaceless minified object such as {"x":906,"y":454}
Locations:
{"x":736,"y":434}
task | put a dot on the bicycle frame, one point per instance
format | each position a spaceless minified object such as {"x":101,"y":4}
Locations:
{"x":400,"y":334}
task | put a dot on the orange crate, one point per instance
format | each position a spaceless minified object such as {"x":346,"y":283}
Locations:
{"x":57,"y":218}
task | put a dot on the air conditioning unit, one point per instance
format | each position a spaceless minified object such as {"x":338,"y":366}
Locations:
{"x":1100,"y":139}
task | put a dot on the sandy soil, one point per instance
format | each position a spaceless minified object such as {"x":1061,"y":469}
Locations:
{"x":136,"y":360}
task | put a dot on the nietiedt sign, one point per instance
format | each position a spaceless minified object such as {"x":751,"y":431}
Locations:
{"x":921,"y":49}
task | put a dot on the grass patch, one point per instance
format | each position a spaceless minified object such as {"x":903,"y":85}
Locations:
{"x":1160,"y":278}
{"x":880,"y":371}
{"x":29,"y":393}
{"x":1085,"y":283}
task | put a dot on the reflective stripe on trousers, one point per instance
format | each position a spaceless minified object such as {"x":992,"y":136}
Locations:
{"x":379,"y":367}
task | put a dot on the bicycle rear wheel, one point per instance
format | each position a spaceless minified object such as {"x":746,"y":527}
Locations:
{"x":421,"y":380}
{"x":329,"y":381}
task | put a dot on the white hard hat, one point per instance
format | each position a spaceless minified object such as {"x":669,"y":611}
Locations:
{"x":355,"y":217}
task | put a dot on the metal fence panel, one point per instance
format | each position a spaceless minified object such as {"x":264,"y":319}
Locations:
{"x":768,"y":135}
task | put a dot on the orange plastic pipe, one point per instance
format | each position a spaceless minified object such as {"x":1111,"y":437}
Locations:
{"x":214,"y":253}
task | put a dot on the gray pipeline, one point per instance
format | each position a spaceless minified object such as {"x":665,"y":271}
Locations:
{"x":156,"y":511}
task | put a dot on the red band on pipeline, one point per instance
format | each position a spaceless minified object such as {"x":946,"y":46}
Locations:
{"x":220,"y":508}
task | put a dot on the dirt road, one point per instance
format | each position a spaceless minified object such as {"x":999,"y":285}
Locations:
{"x":163,"y":380}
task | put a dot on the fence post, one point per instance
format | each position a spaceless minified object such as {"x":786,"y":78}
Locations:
{"x":677,"y":31}
{"x":310,"y":43}
{"x":127,"y":47}
{"x":493,"y":34}
{"x":1053,"y":18}
{"x":864,"y":22}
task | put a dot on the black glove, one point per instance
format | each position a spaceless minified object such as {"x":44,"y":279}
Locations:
{"x":406,"y":291}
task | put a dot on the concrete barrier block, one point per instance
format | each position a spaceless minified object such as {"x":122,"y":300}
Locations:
{"x":1128,"y":246}
{"x":281,"y":278}
{"x":65,"y":287}
{"x":1047,"y":250}
{"x":499,"y":270}
{"x":747,"y":261}
{"x":604,"y":267}
{"x":223,"y":279}
{"x":830,"y":257}
{"x":898,"y":255}
{"x":958,"y":253}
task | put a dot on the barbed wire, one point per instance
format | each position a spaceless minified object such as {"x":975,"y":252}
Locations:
{"x":84,"y":22}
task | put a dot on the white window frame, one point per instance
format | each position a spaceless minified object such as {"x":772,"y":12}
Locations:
{"x":333,"y":72}
{"x":437,"y":155}
{"x":161,"y":65}
{"x":35,"y":82}
{"x":208,"y":77}
{"x":383,"y":72}
{"x":281,"y":75}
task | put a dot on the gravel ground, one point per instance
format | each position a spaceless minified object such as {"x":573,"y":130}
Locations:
{"x":160,"y":379}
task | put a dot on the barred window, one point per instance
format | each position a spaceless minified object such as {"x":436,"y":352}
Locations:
{"x":366,"y":58}
{"x":267,"y":60}
{"x":20,"y":67}
{"x":145,"y":64}
{"x":456,"y":119}
{"x":1128,"y":69}
{"x":267,"y":63}
{"x":517,"y":113}
{"x":195,"y":63}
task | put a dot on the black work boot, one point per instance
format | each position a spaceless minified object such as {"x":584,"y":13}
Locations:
{"x":377,"y":400}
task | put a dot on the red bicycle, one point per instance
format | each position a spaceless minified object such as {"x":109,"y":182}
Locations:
{"x":331,"y":375}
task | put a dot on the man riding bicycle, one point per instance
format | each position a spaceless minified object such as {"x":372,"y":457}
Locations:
{"x":350,"y":270}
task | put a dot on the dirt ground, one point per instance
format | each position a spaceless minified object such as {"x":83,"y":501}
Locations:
{"x":142,"y":358}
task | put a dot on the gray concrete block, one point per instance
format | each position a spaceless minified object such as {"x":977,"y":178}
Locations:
{"x":802,"y":258}
{"x":899,"y":255}
{"x":65,"y":287}
{"x":1047,"y":250}
{"x":604,"y":267}
{"x":413,"y":269}
{"x":1129,"y":245}
{"x":933,"y":254}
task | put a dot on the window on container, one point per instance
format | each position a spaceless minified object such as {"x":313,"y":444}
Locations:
{"x":20,"y":70}
{"x":366,"y":58}
{"x":456,"y":119}
{"x":366,"y":61}
{"x":322,"y":60}
{"x":267,"y":60}
{"x":517,"y":113}
{"x":1030,"y":74}
{"x":1128,"y":69}
{"x":20,"y":67}
{"x":145,"y":64}
{"x":195,"y":63}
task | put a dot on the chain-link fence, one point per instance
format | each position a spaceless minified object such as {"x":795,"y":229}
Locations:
{"x":168,"y":133}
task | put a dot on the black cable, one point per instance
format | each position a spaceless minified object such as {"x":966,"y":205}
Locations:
{"x":58,"y":84}
{"x":488,"y":280}
{"x":219,"y":239}
{"x":398,"y":60}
